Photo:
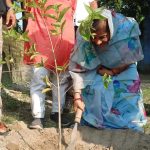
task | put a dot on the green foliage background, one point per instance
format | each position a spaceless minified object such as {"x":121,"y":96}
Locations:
{"x":137,"y":8}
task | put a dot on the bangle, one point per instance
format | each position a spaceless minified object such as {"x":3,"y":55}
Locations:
{"x":77,"y":93}
{"x":76,"y":99}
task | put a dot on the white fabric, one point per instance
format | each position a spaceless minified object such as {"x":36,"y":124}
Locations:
{"x":107,"y":14}
{"x":80,"y":12}
{"x":36,"y":87}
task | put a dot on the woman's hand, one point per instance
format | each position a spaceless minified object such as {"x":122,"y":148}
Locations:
{"x":79,"y":104}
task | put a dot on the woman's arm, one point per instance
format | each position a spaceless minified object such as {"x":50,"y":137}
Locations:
{"x":114,"y":71}
{"x":78,"y":103}
{"x":120,"y":69}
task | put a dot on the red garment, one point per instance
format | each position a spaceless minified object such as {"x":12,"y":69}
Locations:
{"x":38,"y":35}
{"x":3,"y":128}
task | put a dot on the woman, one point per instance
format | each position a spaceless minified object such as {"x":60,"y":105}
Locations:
{"x":114,"y":50}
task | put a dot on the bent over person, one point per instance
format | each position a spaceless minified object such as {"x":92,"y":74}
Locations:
{"x":114,"y":50}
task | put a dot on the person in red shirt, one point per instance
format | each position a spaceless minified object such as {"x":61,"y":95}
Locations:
{"x":44,"y":42}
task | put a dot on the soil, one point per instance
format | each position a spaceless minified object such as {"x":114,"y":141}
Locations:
{"x":20,"y":137}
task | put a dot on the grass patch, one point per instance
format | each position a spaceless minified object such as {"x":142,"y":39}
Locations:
{"x":146,"y":95}
{"x":8,"y":119}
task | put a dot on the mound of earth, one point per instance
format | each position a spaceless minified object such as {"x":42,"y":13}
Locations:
{"x":22,"y":138}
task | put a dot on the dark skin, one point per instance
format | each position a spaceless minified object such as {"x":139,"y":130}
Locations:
{"x":102,"y":34}
{"x":101,"y":39}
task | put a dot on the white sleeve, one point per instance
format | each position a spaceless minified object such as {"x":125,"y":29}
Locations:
{"x":89,"y":1}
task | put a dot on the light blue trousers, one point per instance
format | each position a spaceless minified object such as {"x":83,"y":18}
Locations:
{"x":37,"y":85}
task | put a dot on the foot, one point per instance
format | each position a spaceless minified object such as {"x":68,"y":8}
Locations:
{"x":37,"y":123}
{"x":65,"y":122}
{"x":3,"y":128}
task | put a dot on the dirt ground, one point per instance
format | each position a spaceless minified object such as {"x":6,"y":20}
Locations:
{"x":22,"y":138}
{"x":17,"y":115}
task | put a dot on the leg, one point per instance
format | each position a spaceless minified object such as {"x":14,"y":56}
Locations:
{"x":1,"y":43}
{"x":64,"y":83}
{"x":37,"y":97}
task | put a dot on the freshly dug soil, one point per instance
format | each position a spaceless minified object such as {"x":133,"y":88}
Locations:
{"x":22,"y":138}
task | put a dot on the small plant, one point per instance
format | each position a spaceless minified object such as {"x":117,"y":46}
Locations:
{"x":106,"y":80}
{"x":58,"y":23}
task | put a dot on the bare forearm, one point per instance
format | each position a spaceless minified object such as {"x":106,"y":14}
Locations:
{"x":120,"y":69}
{"x":114,"y":71}
{"x":9,"y":3}
{"x":77,"y":94}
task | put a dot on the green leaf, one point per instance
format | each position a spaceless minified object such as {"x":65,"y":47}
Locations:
{"x":33,"y":56}
{"x":86,"y":25}
{"x":60,"y":68}
{"x":25,"y":37}
{"x":54,"y":32}
{"x":47,"y":81}
{"x":62,"y":25}
{"x":105,"y":77}
{"x":62,"y":13}
{"x":105,"y":85}
{"x":49,"y":7}
{"x":44,"y":1}
{"x":41,"y":64}
{"x":57,"y":24}
{"x":88,"y":9}
{"x":106,"y":80}
{"x":56,"y":7}
{"x":2,"y":61}
{"x":46,"y":90}
{"x":86,"y":33}
{"x":50,"y":16}
{"x":29,"y":15}
{"x":11,"y":60}
{"x":32,"y":4}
